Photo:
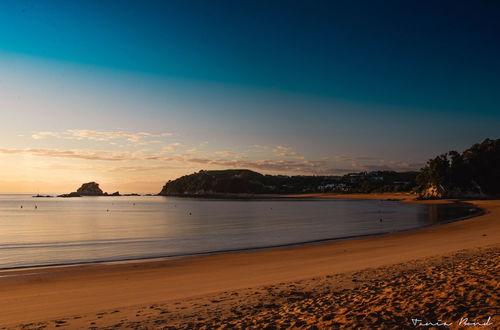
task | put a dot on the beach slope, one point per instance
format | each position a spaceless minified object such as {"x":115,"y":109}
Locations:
{"x":114,"y":295}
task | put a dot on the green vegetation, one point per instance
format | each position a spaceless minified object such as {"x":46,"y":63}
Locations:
{"x":250,"y":182}
{"x":475,"y":172}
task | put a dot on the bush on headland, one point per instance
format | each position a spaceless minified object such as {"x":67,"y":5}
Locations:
{"x":473,"y":173}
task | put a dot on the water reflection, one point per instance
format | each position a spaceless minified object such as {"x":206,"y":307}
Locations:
{"x":446,"y":212}
{"x":76,"y":230}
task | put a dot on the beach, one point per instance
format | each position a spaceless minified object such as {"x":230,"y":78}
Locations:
{"x":380,"y":280}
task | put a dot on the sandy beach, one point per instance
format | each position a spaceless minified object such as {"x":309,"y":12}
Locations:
{"x":444,"y":272}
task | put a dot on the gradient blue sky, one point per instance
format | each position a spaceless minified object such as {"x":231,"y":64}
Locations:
{"x":294,"y":87}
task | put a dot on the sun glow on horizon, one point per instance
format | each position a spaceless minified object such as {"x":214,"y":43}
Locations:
{"x":179,"y":90}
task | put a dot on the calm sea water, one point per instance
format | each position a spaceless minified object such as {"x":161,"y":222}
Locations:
{"x":88,"y":229}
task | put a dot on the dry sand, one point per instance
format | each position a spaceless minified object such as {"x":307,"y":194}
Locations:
{"x":368,"y":282}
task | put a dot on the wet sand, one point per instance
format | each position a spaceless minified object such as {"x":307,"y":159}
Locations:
{"x":328,"y":284}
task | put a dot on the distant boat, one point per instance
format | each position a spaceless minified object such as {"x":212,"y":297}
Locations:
{"x":38,"y":196}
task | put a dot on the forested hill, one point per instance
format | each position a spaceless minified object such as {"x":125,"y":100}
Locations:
{"x":242,"y":181}
{"x":472,"y":173}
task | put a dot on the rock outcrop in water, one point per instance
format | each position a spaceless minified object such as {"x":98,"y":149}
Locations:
{"x":89,"y":189}
{"x":72,"y":194}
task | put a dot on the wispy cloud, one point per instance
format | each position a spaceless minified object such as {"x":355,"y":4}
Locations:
{"x":225,"y":153}
{"x":173,"y":146}
{"x":146,"y":168}
{"x":354,"y":159}
{"x":194,"y":150}
{"x":364,"y":163}
{"x":268,"y":165}
{"x":162,"y":155}
{"x":45,"y":134}
{"x":93,"y":135}
{"x":75,"y":153}
{"x":282,"y":151}
{"x":273,"y":165}
{"x":259,"y":146}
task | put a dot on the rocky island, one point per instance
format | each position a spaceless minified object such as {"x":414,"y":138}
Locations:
{"x":89,"y":189}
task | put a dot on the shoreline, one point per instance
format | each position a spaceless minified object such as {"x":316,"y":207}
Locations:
{"x":55,"y":292}
{"x":393,"y":197}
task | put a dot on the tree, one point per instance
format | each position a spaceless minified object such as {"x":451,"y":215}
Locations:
{"x":476,"y":170}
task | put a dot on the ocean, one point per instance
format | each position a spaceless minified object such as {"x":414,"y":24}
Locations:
{"x":62,"y":231}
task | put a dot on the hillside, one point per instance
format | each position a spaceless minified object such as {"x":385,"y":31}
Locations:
{"x":243,"y":181}
{"x":473,"y":173}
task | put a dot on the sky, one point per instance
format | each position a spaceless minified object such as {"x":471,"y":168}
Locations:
{"x":134,"y":93}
